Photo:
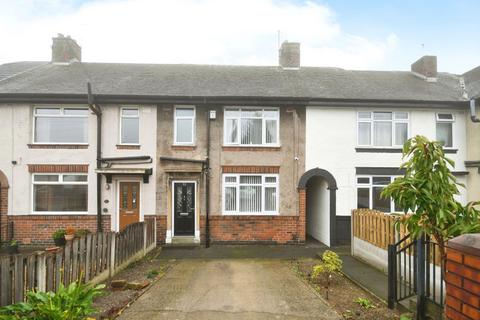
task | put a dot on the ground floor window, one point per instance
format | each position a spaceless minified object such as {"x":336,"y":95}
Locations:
{"x":369,"y":189}
{"x":250,"y":194}
{"x":60,"y":193}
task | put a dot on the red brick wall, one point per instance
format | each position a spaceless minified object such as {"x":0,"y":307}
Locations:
{"x":58,"y":168}
{"x":463,"y":278}
{"x":38,"y":229}
{"x":3,"y":212}
{"x":245,"y":229}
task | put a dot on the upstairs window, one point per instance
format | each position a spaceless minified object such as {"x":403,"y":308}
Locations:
{"x":445,"y":129}
{"x":129,"y":123}
{"x":60,"y":125}
{"x":382,"y":129}
{"x":60,"y":193}
{"x":251,"y":126}
{"x":250,"y":194}
{"x":184,"y":125}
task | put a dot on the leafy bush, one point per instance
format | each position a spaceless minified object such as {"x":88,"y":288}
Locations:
{"x":365,"y":303}
{"x":82,"y":232}
{"x":69,"y":303}
{"x":58,"y":234}
{"x":331,"y":264}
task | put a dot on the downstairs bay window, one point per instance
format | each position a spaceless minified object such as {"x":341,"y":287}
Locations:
{"x":250,"y":194}
{"x":369,"y":189}
{"x":60,"y":193}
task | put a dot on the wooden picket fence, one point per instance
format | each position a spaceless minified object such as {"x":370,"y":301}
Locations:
{"x":375,"y":227}
{"x":91,"y":258}
{"x":378,"y":228}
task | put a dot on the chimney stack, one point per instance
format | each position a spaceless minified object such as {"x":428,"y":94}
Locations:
{"x":426,"y":67}
{"x":65,"y":50}
{"x":289,"y":55}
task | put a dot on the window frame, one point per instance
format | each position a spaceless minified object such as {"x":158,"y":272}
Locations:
{"x":62,"y":111}
{"x":264,"y":129}
{"x":193,"y":118}
{"x":121,"y":125}
{"x":451,"y":121}
{"x":237,"y":185}
{"x":371,"y":120}
{"x":370,"y":185}
{"x":58,"y":182}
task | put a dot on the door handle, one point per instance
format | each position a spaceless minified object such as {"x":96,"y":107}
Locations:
{"x":184,"y":214}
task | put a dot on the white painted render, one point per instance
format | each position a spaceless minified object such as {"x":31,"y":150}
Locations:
{"x":318,"y":218}
{"x":16,"y":132}
{"x":331,"y":138}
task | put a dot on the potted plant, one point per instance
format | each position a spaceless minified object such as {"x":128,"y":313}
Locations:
{"x":59,"y":237}
{"x":82,"y":232}
{"x":69,"y":233}
{"x":12,"y":247}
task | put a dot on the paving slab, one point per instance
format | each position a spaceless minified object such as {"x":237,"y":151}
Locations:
{"x":230,"y":289}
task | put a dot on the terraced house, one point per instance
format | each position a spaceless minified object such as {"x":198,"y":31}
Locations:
{"x":224,"y":154}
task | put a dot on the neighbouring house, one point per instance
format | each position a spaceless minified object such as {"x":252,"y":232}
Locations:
{"x":228,"y":154}
{"x":472,"y":83}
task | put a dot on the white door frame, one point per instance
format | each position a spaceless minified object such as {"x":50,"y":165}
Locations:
{"x":117,"y":195}
{"x":172,"y":212}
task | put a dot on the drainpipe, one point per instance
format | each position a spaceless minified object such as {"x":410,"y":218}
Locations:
{"x":98,"y":112}
{"x":473,"y":114}
{"x":207,"y":185}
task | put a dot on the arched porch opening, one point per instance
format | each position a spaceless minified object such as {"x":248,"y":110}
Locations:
{"x":320,"y":209}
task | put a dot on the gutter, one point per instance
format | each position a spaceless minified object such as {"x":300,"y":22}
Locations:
{"x":222,"y":100}
{"x":95,"y":108}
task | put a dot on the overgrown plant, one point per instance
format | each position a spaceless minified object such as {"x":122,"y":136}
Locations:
{"x":365,"y":303}
{"x":428,"y":191}
{"x":331,"y":264}
{"x":68,"y":303}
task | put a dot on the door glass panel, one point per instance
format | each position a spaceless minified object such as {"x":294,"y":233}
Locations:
{"x":124,"y":196}
{"x":134,"y":197}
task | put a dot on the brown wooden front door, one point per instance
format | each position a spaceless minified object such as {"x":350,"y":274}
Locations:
{"x":129,"y":203}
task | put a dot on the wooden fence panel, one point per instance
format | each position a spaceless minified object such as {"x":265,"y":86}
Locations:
{"x":85,"y":257}
{"x":374,"y":227}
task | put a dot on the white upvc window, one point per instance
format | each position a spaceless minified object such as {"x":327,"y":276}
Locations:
{"x":60,"y":125}
{"x":184,"y":125}
{"x":249,"y":126}
{"x":444,"y":129}
{"x":382,"y":129}
{"x":369,"y":189}
{"x":129,"y":125}
{"x":249,"y":194}
{"x":59,"y":193}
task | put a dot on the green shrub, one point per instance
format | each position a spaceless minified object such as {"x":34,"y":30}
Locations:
{"x":365,"y":303}
{"x":69,"y":303}
{"x":331,"y":263}
{"x":82,"y":232}
{"x":58,"y":234}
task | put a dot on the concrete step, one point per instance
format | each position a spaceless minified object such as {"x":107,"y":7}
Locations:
{"x":183,"y":242}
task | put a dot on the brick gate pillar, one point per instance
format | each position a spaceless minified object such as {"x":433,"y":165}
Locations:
{"x":302,"y":207}
{"x":463,"y":278}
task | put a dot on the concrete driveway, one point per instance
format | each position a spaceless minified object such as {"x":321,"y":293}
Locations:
{"x":230,"y":289}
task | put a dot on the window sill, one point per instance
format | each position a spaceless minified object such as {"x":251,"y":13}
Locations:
{"x":251,"y":148}
{"x":250,"y":214}
{"x":377,"y":150}
{"x":62,"y":213}
{"x":450,"y":150}
{"x":179,"y":147}
{"x":128,"y":146}
{"x":56,"y":146}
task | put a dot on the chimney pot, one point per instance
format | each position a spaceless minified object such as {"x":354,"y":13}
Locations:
{"x":426,"y":66}
{"x":289,"y":55}
{"x":65,"y":50}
